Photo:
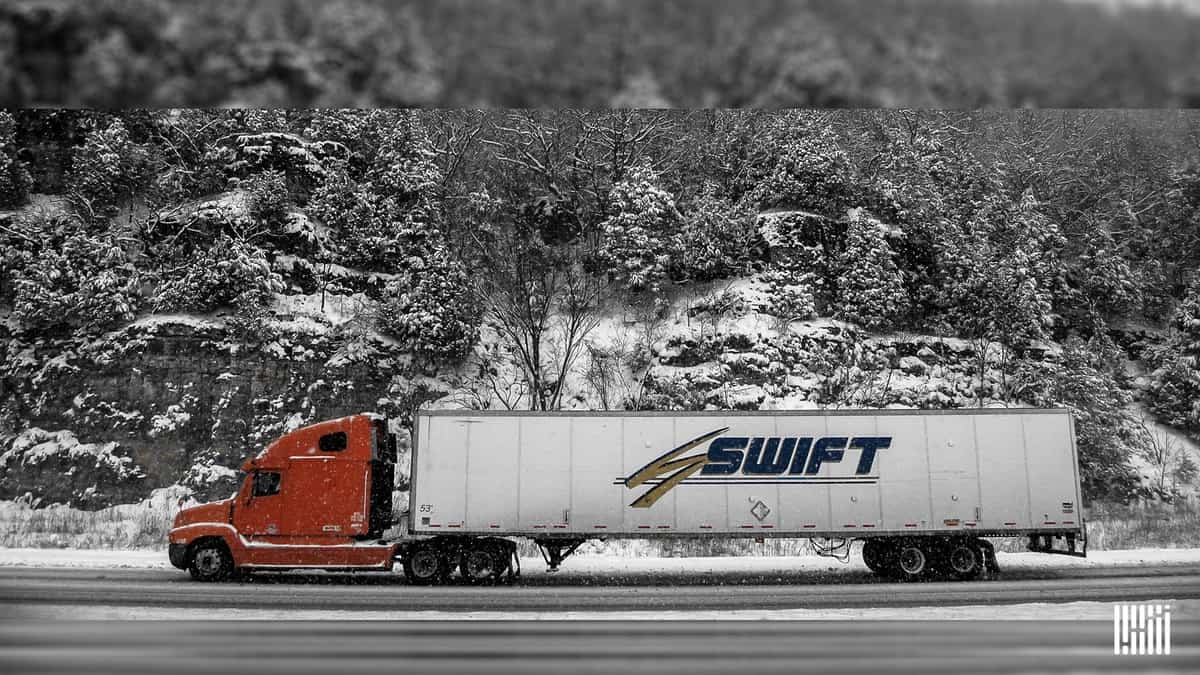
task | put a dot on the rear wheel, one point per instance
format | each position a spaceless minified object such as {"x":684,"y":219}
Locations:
{"x":963,"y":560}
{"x":912,"y":561}
{"x":425,"y":565}
{"x":481,"y":563}
{"x":876,"y":555}
{"x":211,"y":561}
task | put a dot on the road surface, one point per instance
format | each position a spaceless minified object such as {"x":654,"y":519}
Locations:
{"x":38,"y":633}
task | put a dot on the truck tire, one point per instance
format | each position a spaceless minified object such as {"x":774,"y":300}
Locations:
{"x":962,"y":560}
{"x":912,"y":560}
{"x":481,"y":563}
{"x":425,"y":565}
{"x":877,"y":556}
{"x":210,"y":561}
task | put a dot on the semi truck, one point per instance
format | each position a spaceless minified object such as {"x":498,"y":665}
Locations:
{"x":922,"y":490}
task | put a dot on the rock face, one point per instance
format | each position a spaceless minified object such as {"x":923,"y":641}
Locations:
{"x":173,"y":400}
{"x":54,"y":467}
{"x":818,"y":364}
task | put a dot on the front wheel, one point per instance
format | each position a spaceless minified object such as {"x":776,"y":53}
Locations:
{"x":211,"y":561}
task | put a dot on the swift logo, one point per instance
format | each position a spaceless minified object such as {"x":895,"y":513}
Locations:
{"x":754,"y":460}
{"x":666,"y":463}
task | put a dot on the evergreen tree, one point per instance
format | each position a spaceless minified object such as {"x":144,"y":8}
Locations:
{"x":800,"y":165}
{"x":716,"y":239}
{"x":107,"y":168}
{"x":637,"y":236}
{"x":1174,"y":392}
{"x":85,"y":283}
{"x":431,"y":308}
{"x":870,"y":287}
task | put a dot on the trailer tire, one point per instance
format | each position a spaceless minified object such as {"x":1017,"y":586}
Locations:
{"x":963,"y":560}
{"x":911,"y":561}
{"x":482,"y":563}
{"x":210,"y":560}
{"x":425,"y":565}
{"x":877,"y":556}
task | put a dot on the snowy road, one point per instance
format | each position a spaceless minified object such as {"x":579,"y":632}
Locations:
{"x":1056,"y":619}
{"x":127,"y":593}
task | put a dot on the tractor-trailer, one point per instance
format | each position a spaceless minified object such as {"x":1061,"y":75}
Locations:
{"x":920,"y":488}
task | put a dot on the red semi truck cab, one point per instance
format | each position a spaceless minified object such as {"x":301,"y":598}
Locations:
{"x":318,"y":497}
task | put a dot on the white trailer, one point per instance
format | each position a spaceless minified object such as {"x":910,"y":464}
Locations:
{"x":921,"y":487}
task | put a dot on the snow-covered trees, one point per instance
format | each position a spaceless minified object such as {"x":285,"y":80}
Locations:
{"x":1004,"y":268}
{"x":870,"y":287}
{"x":431,"y":308}
{"x":228,"y":273}
{"x":1105,"y":428}
{"x":107,"y":168}
{"x":83,"y":282}
{"x":799,"y":165}
{"x":14,"y":177}
{"x":638,"y":234}
{"x":716,"y":239}
{"x":1174,"y":392}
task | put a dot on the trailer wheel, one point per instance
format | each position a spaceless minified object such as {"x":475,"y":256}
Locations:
{"x":481,"y":563}
{"x":425,"y":565}
{"x":876,"y":556}
{"x":963,"y":560}
{"x":912,"y":561}
{"x":210,"y":561}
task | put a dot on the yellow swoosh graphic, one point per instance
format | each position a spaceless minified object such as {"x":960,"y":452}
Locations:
{"x":666,"y":463}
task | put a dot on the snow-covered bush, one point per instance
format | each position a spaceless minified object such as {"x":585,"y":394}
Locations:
{"x":300,"y":160}
{"x":58,"y":468}
{"x":870,"y":287}
{"x":791,"y":297}
{"x":267,"y":197}
{"x":715,"y":240}
{"x":373,"y":230}
{"x":107,"y":168}
{"x":14,"y":177}
{"x":638,"y":235}
{"x":431,"y":308}
{"x":219,"y":276}
{"x":87,"y":283}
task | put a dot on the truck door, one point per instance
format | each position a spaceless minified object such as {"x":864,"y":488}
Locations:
{"x":258,"y":512}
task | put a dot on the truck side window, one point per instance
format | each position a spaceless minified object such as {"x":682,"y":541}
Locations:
{"x":335,"y":442}
{"x":266,"y":483}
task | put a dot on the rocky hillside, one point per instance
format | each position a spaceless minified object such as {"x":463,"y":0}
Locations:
{"x":180,"y":287}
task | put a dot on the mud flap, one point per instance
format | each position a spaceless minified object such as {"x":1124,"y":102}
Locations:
{"x":991,"y":569}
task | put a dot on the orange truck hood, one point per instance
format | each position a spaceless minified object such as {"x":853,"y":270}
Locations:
{"x":213,"y":512}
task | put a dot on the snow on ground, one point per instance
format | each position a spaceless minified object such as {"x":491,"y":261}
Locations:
{"x":596,"y":565}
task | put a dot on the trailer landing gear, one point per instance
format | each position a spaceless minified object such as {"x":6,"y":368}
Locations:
{"x":554,"y":551}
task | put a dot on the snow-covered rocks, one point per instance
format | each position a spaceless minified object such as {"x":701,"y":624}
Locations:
{"x":913,"y":365}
